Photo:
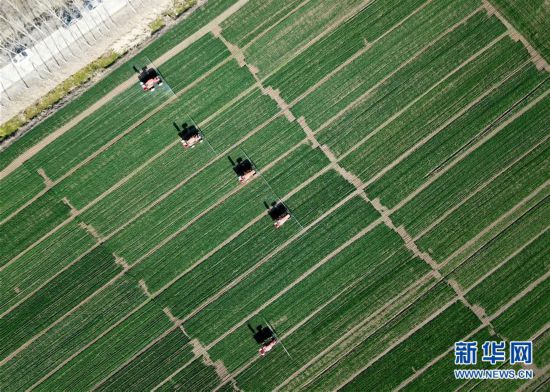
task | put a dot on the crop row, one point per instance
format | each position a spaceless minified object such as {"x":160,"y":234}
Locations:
{"x":385,"y":56}
{"x":434,"y":109}
{"x":128,"y":108}
{"x":273,"y":276}
{"x":20,"y":232}
{"x":169,"y":169}
{"x":90,"y":134}
{"x":451,"y":187}
{"x":184,"y":204}
{"x":412,"y":171}
{"x":159,"y":46}
{"x":375,"y":331}
{"x":286,"y":38}
{"x":110,"y":351}
{"x":34,"y":267}
{"x":510,"y":279}
{"x":527,"y":316}
{"x":17,"y":188}
{"x":424,"y":79}
{"x":362,"y":266}
{"x":505,"y":242}
{"x":55,"y":299}
{"x":255,"y":17}
{"x":70,"y":335}
{"x":195,"y":377}
{"x":427,"y":343}
{"x":213,"y":228}
{"x":152,"y":366}
{"x":489,"y":204}
{"x":325,"y":55}
{"x":441,"y":373}
{"x":252,"y":246}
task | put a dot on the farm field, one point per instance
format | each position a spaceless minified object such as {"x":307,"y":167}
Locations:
{"x":409,"y":143}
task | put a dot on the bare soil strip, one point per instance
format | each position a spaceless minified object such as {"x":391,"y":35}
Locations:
{"x":119,"y":89}
{"x":92,"y":231}
{"x":537,"y":59}
{"x":48,"y":182}
{"x":469,"y":151}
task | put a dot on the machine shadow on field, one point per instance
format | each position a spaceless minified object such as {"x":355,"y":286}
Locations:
{"x":241,"y":166}
{"x":261,"y":333}
{"x":186,"y":131}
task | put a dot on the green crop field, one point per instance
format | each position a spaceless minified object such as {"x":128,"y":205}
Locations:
{"x":408,"y":141}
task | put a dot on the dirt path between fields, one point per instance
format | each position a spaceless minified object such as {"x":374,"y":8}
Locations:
{"x":119,"y":89}
{"x":480,"y":188}
{"x":480,"y":142}
{"x":297,"y":281}
{"x":488,"y":228}
{"x":424,"y":94}
{"x":537,"y":59}
{"x":443,"y":126}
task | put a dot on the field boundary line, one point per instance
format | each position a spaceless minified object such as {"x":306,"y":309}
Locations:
{"x":386,"y":307}
{"x":446,"y":124}
{"x":407,"y":62}
{"x":501,"y":310}
{"x":13,"y":354}
{"x":492,"y":225}
{"x":204,"y":30}
{"x":298,"y":280}
{"x":480,"y":188}
{"x":474,"y":147}
{"x":359,"y":53}
{"x":536,"y":57}
{"x":424,"y":94}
